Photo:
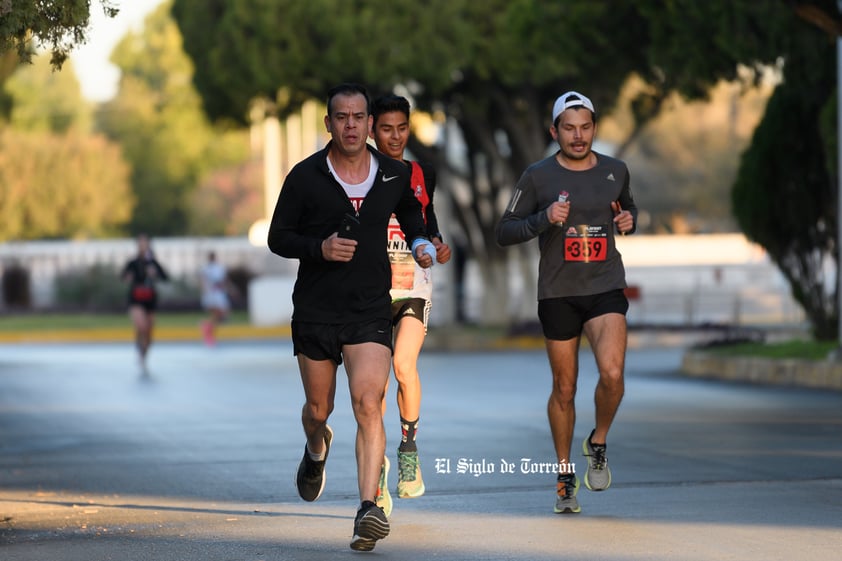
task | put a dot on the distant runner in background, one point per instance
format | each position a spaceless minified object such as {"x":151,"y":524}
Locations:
{"x":214,"y":281}
{"x":142,"y":273}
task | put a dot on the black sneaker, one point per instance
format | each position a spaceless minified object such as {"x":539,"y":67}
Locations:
{"x":370,"y":525}
{"x":310,"y":478}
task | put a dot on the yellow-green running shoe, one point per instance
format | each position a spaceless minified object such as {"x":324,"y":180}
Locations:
{"x":410,"y":484}
{"x":383,"y":498}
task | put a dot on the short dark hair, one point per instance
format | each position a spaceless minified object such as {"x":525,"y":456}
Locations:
{"x":348,"y":88}
{"x":389,"y":103}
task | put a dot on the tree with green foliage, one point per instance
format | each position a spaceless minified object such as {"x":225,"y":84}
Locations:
{"x":47,"y":101}
{"x":57,"y":179}
{"x":157,"y":117}
{"x":785,"y":196}
{"x":493,"y":68}
{"x":61,"y":26}
{"x":61,"y":186}
{"x":9,"y":61}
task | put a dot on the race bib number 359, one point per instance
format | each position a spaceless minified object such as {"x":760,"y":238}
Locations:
{"x":585,"y":243}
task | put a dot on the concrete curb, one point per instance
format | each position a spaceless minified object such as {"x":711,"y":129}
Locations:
{"x":780,"y":372}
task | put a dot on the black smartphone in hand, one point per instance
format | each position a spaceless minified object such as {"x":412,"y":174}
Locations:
{"x":349,"y":227}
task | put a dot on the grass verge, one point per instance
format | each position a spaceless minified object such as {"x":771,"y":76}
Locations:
{"x":15,"y":323}
{"x":794,"y":349}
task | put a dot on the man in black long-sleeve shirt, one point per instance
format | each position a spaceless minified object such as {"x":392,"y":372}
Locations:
{"x":341,"y":302}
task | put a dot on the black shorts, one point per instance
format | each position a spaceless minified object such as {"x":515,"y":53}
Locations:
{"x":323,"y":341}
{"x":419,"y":308}
{"x":563,"y":318}
{"x":148,"y":305}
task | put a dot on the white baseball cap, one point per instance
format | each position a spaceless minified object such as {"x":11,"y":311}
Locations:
{"x":568,"y":100}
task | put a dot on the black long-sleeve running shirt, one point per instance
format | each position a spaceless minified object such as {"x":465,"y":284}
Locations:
{"x":309,"y":209}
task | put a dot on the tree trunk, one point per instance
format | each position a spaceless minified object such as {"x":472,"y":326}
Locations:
{"x":495,"y":292}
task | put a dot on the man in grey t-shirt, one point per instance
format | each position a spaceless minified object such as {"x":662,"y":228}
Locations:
{"x":575,"y":202}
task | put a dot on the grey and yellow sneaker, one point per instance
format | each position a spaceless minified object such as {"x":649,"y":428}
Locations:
{"x":310,"y":479}
{"x":370,"y":525}
{"x":410,"y":484}
{"x":566,"y":489}
{"x":383,"y":499}
{"x":598,"y":476}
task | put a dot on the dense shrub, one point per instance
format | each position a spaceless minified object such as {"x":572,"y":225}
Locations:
{"x":96,"y":288}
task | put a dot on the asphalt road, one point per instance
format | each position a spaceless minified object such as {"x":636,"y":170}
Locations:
{"x":196,"y":462}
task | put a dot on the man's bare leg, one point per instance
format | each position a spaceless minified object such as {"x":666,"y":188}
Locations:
{"x":368,"y":366}
{"x":318,"y":378}
{"x":561,"y":408}
{"x":409,"y":338}
{"x":607,"y":336}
